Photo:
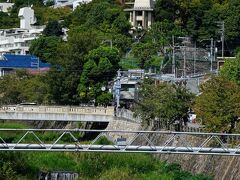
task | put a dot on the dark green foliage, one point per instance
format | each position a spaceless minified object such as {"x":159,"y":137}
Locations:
{"x":53,"y":28}
{"x":8,"y":21}
{"x":13,"y":164}
{"x":50,"y":3}
{"x":45,"y":48}
{"x":100,"y":68}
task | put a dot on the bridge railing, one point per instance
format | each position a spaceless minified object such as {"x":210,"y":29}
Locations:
{"x":59,"y":109}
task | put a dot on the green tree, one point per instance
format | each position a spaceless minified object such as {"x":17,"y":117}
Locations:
{"x":53,"y":28}
{"x":10,"y":90}
{"x":100,"y":68}
{"x":231,"y":70}
{"x":35,"y":89}
{"x":67,"y":67}
{"x":165,"y":102}
{"x":166,"y":10}
{"x":218,"y":105}
{"x":144,"y":52}
{"x":45,"y":48}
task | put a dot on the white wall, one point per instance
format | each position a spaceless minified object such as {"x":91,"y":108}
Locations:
{"x":5,"y":6}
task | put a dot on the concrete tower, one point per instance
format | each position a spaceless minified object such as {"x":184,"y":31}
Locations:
{"x":27,"y":17}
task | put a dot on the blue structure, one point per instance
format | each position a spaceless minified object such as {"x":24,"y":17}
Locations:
{"x":9,"y":62}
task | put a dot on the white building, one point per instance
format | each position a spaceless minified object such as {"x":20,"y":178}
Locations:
{"x":141,"y":13}
{"x":73,"y":4}
{"x":18,"y":40}
{"x":4,"y":7}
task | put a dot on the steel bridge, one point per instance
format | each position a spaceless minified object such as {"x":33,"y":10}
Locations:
{"x":164,"y":142}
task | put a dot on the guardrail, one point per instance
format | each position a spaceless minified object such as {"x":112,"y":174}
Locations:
{"x":58,"y":109}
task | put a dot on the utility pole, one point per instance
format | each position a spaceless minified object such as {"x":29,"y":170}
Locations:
{"x":211,"y":67}
{"x":117,"y":89}
{"x":184,"y":62}
{"x":223,"y":30}
{"x":221,"y":24}
{"x":173,"y":58}
{"x":194,"y":56}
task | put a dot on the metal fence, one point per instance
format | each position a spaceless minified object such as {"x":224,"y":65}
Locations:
{"x":165,"y":142}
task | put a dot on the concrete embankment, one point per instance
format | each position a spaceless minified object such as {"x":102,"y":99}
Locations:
{"x":220,"y":167}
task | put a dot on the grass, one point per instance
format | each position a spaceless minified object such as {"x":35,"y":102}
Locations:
{"x":13,"y":125}
{"x":52,"y":161}
{"x":10,"y":136}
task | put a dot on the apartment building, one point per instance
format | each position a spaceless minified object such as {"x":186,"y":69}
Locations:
{"x":18,"y":40}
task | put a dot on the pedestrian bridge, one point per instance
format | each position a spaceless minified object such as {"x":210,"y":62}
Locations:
{"x":56,"y":113}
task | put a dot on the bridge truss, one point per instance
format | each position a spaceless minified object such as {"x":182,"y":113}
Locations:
{"x":165,"y":142}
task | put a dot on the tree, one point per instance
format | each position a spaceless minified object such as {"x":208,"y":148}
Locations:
{"x":10,"y":90}
{"x":67,"y":67}
{"x":164,"y":102}
{"x":53,"y":28}
{"x":166,"y":10}
{"x":100,"y":68}
{"x":231,"y":70}
{"x":144,"y":52}
{"x":35,"y":89}
{"x":218,"y":105}
{"x":45,"y":48}
{"x":161,"y":34}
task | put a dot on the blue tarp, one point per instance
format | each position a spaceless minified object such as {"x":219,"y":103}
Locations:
{"x":21,"y":61}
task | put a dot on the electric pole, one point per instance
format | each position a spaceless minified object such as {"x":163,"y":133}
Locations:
{"x":221,"y":24}
{"x":173,"y":58}
{"x":184,"y":62}
{"x":194,"y":58}
{"x":211,"y":68}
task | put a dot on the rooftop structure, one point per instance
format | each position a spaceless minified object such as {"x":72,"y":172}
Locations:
{"x":27,"y":17}
{"x":9,"y":62}
{"x":141,"y":13}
